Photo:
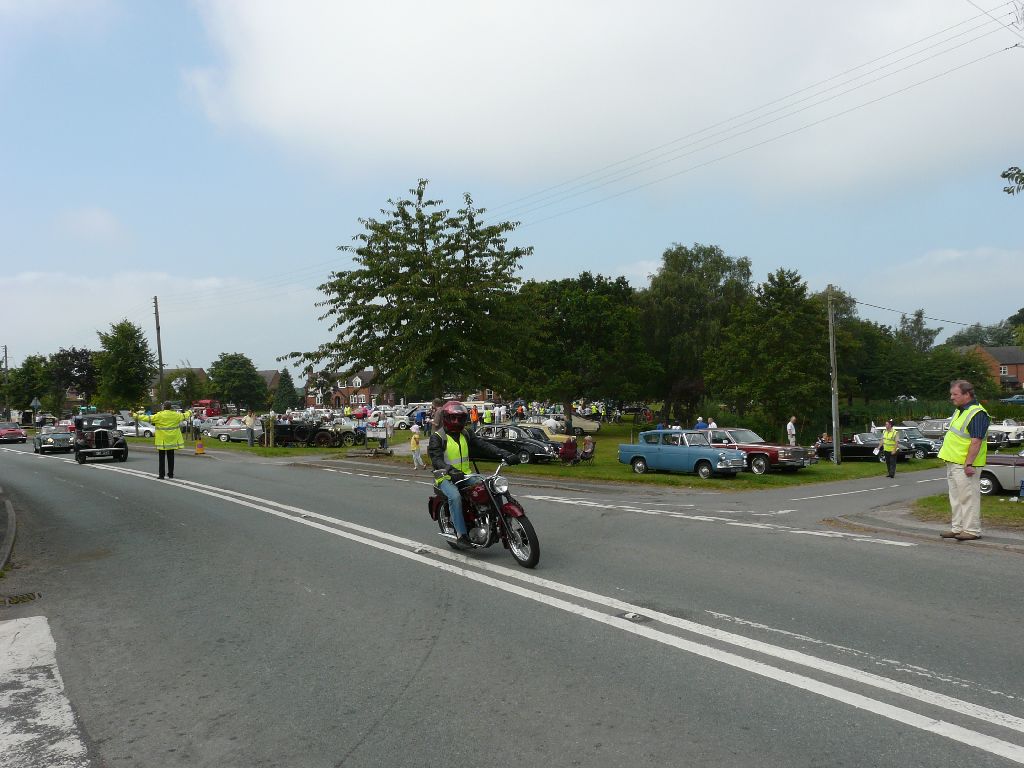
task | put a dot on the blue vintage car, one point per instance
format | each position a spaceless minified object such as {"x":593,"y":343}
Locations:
{"x":681,"y":450}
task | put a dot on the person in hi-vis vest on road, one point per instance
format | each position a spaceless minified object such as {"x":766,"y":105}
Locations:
{"x":450,"y":450}
{"x":890,"y":445}
{"x":964,"y":450}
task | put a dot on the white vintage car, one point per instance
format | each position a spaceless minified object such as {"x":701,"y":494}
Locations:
{"x":1014,"y":432}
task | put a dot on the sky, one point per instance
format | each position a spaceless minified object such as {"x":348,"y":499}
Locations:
{"x":216,"y":153}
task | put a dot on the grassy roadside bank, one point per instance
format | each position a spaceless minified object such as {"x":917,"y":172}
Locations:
{"x":995,"y":511}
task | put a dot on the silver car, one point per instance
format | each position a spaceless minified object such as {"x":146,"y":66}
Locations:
{"x":233,"y":430}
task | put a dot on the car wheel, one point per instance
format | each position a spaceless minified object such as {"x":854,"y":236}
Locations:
{"x":225,"y":438}
{"x":123,"y":456}
{"x":525,"y":457}
{"x":919,"y":453}
{"x":758,"y":464}
{"x":147,"y":433}
{"x":577,"y":431}
{"x":703,"y":469}
{"x":989,"y":485}
{"x":639,"y":465}
{"x":80,"y":458}
{"x":348,"y":439}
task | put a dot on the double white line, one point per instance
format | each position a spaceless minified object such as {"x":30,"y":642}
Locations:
{"x":478,"y":571}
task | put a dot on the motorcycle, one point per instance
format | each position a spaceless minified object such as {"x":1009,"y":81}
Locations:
{"x":491,"y":515}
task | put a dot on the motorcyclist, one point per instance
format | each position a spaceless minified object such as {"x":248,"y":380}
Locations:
{"x":450,"y":449}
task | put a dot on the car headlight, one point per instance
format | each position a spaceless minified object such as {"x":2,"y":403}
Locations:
{"x":49,"y":441}
{"x":500,"y":485}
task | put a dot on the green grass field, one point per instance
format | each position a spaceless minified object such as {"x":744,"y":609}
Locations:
{"x":995,"y":510}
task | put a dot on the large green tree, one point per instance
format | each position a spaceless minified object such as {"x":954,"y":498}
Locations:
{"x":914,"y":332}
{"x":285,"y":396}
{"x":581,"y":337}
{"x":234,"y":379}
{"x":996,"y":335}
{"x":427,"y":289}
{"x":182,"y":383}
{"x":125,"y":366}
{"x":683,"y":312}
{"x":27,"y":381}
{"x":69,"y":368}
{"x":774,"y":351}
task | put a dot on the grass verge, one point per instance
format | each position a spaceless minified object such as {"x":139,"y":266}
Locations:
{"x":995,"y":510}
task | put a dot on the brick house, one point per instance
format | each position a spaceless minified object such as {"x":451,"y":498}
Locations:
{"x":1006,"y":364}
{"x":358,"y":389}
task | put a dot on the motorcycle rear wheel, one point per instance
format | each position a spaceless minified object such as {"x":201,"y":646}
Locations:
{"x":522,"y":541}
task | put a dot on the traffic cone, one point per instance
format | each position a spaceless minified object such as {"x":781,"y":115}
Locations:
{"x":199,"y":447}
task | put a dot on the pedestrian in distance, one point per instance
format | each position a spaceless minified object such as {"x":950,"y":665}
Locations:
{"x":711,"y":423}
{"x":890,"y":446}
{"x":167,"y":436}
{"x":250,"y":427}
{"x":791,"y":430}
{"x":701,"y":424}
{"x":435,"y":416}
{"x":964,"y":450}
{"x":414,"y":445}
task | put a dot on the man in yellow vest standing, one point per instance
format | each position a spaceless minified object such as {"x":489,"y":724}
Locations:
{"x":168,"y":438}
{"x":890,"y":442}
{"x":964,"y":450}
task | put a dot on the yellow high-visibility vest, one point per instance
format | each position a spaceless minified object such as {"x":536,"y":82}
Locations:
{"x":958,"y":440}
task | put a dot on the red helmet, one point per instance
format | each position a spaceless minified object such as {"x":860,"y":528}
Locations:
{"x":454,"y":417}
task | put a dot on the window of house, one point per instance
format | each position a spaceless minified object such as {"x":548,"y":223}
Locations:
{"x":362,"y":399}
{"x":319,"y":399}
{"x":337,"y":401}
{"x":357,"y":382}
{"x":1004,"y":370}
{"x":353,"y":399}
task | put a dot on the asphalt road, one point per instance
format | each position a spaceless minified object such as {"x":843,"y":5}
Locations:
{"x":262,"y":613}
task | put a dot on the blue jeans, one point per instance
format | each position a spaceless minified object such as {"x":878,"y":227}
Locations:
{"x":451,"y":492}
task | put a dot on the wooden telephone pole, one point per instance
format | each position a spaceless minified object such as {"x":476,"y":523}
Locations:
{"x":159,"y":349}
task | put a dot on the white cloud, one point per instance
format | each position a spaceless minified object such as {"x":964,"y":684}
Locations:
{"x":536,"y":90}
{"x":92,"y":225}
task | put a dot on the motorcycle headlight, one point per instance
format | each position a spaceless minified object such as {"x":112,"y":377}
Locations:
{"x":500,"y":485}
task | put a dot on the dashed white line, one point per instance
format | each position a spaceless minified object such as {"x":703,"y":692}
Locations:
{"x":844,"y":493}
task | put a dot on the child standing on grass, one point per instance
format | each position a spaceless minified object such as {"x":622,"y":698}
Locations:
{"x":414,"y":444}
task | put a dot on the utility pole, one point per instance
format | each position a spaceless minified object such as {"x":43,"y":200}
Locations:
{"x":7,"y":405}
{"x":159,"y":349}
{"x":837,"y":434}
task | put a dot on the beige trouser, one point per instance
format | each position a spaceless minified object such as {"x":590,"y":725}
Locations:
{"x":964,"y":498}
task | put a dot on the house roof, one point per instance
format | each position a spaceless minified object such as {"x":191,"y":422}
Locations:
{"x":1007,"y":355}
{"x":270,"y":377}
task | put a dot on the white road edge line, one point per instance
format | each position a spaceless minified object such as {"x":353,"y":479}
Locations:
{"x":844,"y":493}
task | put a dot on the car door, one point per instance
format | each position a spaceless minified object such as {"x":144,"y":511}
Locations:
{"x":673,"y":453}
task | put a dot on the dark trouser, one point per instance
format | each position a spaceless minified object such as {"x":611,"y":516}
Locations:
{"x":170,"y":463}
{"x":251,"y":434}
{"x":890,"y":463}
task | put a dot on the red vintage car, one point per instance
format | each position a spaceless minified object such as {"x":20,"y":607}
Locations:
{"x":762,"y":455}
{"x":12,"y":433}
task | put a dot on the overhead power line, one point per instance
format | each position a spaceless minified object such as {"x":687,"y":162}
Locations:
{"x":629,"y":161}
{"x":768,"y":140}
{"x":911,"y":314}
{"x":1009,"y":27}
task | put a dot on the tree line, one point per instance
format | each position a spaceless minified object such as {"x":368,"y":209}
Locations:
{"x":434,"y":305}
{"x":123,"y":373}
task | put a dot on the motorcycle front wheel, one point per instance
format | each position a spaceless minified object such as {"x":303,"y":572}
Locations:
{"x":522,"y":541}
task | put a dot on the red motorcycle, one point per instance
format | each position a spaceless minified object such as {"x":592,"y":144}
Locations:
{"x":491,"y":515}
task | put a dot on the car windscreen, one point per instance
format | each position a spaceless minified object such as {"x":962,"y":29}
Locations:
{"x":694,"y":438}
{"x":912,"y":432}
{"x":746,"y":436}
{"x":8,"y":425}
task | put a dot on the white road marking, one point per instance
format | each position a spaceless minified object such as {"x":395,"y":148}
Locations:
{"x":714,"y":519}
{"x":844,"y":493}
{"x":931,"y":480}
{"x":38,"y":727}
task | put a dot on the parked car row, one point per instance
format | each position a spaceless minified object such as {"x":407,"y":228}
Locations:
{"x":706,"y":453}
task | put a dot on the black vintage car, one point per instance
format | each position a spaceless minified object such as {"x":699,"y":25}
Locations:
{"x":862,"y":446}
{"x":97,"y":435}
{"x":517,"y":441}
